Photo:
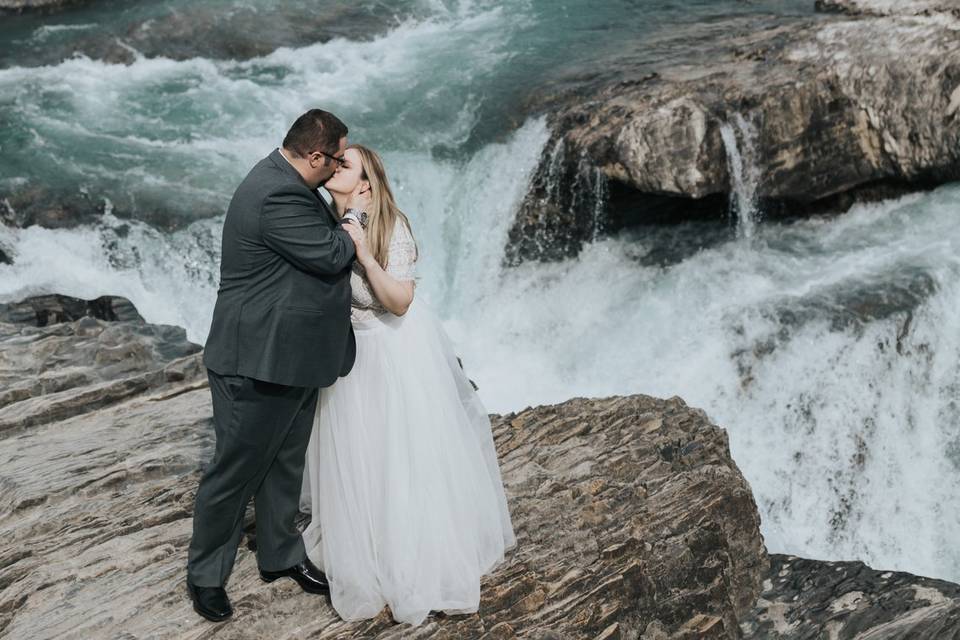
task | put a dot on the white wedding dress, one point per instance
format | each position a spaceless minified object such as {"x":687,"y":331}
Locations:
{"x":401,"y":475}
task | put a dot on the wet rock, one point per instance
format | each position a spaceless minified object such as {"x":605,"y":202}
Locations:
{"x":184,"y":31}
{"x":41,"y":311}
{"x":239,"y":34}
{"x":890,"y":7}
{"x":845,"y":600}
{"x":801,"y":116}
{"x":52,"y":208}
{"x":31,"y":204}
{"x":632,"y":519}
{"x":38,"y":6}
{"x":100,"y":459}
{"x":61,"y":357}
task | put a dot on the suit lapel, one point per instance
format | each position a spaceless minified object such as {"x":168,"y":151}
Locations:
{"x":286,"y":167}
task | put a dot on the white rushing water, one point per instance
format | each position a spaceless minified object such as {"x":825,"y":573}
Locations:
{"x":845,"y":428}
{"x":745,"y":173}
{"x":163,"y":134}
{"x":828,"y":348}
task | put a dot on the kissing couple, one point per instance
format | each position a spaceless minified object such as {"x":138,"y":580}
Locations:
{"x":336,"y":392}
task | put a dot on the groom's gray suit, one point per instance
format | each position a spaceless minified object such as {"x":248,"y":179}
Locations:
{"x":281,"y":329}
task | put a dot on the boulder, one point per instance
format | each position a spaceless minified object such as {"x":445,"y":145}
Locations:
{"x":61,"y":357}
{"x":782,"y":118}
{"x":631,"y":517}
{"x":848,"y":600}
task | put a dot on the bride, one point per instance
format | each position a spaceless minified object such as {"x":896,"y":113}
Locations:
{"x":401,"y":475}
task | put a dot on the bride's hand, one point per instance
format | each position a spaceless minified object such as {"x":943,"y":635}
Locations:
{"x":359,"y":242}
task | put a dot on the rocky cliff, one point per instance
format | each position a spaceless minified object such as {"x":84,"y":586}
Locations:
{"x":632,"y":519}
{"x":800,"y":115}
{"x":630,"y":514}
{"x":850,"y":601}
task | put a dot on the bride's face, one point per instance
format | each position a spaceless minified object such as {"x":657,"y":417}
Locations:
{"x":346,"y":178}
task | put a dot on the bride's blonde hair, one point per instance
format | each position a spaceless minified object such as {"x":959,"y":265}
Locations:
{"x":383,"y":212}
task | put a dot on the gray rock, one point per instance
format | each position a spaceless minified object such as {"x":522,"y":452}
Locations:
{"x":44,"y":6}
{"x":61,"y":356}
{"x":827,"y":109}
{"x":181,"y":31}
{"x":810,"y":599}
{"x":52,"y":309}
{"x":631,"y":517}
{"x":890,"y":7}
{"x":242,"y":33}
{"x":49,"y":207}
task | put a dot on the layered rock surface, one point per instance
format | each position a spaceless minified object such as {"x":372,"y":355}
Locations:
{"x":849,"y":600}
{"x":860,"y":101}
{"x":632,"y":519}
{"x":631,"y":516}
{"x":890,"y":7}
{"x":61,"y":357}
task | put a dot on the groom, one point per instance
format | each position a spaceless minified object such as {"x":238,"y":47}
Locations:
{"x":281,"y":329}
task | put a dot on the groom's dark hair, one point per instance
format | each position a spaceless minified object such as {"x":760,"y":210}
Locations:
{"x":315,"y":130}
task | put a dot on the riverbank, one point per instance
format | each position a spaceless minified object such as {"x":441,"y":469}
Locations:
{"x":632,"y":518}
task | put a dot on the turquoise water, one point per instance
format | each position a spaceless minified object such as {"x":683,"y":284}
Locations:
{"x":826,"y":347}
{"x":165,"y":138}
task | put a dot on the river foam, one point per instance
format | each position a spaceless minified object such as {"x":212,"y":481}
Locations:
{"x":828,"y":348}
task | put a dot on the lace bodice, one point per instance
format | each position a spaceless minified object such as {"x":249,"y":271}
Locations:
{"x":401,"y":264}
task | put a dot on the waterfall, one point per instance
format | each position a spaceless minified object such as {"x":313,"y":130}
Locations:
{"x":590,"y":197}
{"x":744,"y":174}
{"x":564,"y":208}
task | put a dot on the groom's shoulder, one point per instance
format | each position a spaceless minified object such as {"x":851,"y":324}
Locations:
{"x":267,"y":178}
{"x":266,"y":171}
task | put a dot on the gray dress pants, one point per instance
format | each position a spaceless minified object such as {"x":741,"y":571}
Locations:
{"x":262,"y":431}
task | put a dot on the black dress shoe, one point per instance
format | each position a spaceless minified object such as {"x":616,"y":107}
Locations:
{"x":305,"y":573}
{"x":210,"y":602}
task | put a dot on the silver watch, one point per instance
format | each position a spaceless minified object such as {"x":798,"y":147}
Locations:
{"x":358,"y":215}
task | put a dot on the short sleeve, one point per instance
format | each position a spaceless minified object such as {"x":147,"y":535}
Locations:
{"x":402,"y":259}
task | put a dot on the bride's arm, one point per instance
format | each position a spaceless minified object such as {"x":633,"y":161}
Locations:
{"x":395,"y":295}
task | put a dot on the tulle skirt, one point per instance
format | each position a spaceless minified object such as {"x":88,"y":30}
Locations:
{"x":401,"y":477}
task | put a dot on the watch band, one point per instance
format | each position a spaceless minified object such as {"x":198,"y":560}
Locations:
{"x":360,"y":217}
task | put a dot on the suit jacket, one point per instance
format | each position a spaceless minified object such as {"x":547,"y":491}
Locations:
{"x":283,"y":306}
